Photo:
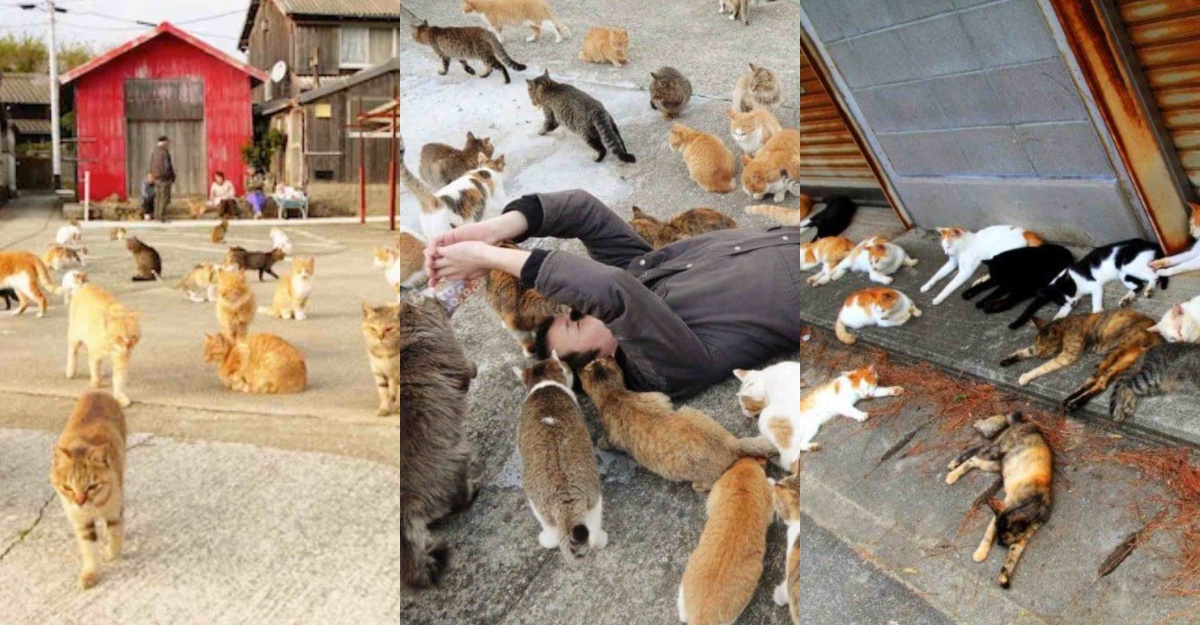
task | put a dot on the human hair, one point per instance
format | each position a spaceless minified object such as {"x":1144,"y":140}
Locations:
{"x":541,"y":345}
{"x":219,"y":174}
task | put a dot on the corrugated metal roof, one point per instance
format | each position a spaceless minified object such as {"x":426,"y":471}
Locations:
{"x":386,"y":67}
{"x":25,"y":89}
{"x":342,"y":8}
{"x":32,"y":126}
{"x":165,"y":28}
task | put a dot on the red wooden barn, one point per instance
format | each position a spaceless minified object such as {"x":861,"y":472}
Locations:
{"x":165,"y":82}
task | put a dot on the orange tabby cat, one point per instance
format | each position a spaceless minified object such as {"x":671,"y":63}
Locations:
{"x":107,"y":328}
{"x":291,"y":293}
{"x":235,"y":302}
{"x":773,"y":167}
{"x":606,"y":45}
{"x":723,"y":572}
{"x":26,"y":274}
{"x":496,"y":14}
{"x":257,"y":363}
{"x":827,"y":252}
{"x":751,"y":130}
{"x":709,"y":162}
{"x":787,"y":506}
{"x":88,"y":473}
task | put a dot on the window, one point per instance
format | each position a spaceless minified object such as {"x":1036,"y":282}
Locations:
{"x":355,"y":46}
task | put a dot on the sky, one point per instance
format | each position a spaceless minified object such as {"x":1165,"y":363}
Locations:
{"x":105,"y":23}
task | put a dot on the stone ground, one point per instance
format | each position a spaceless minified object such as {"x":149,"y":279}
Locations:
{"x":241,"y":508}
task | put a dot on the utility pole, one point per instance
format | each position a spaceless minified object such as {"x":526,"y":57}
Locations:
{"x":55,"y":131}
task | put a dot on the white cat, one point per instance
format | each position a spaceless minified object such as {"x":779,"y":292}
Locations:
{"x":877,"y":257}
{"x":1181,"y":324}
{"x":71,"y":282}
{"x":878,"y":306}
{"x":70,"y":234}
{"x":1185,"y":261}
{"x":280,"y":241}
{"x":967,"y":250}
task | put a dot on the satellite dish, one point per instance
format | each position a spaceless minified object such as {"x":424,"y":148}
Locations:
{"x":279,"y":72}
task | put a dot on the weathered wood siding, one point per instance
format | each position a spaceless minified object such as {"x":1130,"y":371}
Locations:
{"x":331,"y":154}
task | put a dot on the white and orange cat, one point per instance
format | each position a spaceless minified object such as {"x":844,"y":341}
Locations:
{"x":107,"y":328}
{"x":59,"y":257}
{"x":967,"y":250}
{"x":1184,"y":261}
{"x":462,"y":201}
{"x":26,"y":275}
{"x":709,"y":162}
{"x":200,"y":284}
{"x":1180,"y":324}
{"x":786,"y":494}
{"x":291,"y":293}
{"x":877,"y":257}
{"x":878,"y":306}
{"x":774,"y":167}
{"x":72,"y":281}
{"x":496,"y":14}
{"x":751,"y":130}
{"x":404,"y":264}
{"x":70,"y":234}
{"x":723,"y":571}
{"x":828,"y":252}
{"x":606,"y":45}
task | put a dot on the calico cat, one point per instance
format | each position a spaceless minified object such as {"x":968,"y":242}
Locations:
{"x":753,"y":129}
{"x":786,"y":498}
{"x":773,"y":167}
{"x":200,"y":284}
{"x":828,"y":252}
{"x":1017,"y":275}
{"x":709,"y":162}
{"x":1171,"y":368}
{"x":606,"y":45}
{"x":235,"y":303}
{"x":1121,"y":336}
{"x":723,"y":571}
{"x":107,"y":328}
{"x":1127,"y":261}
{"x":219,"y":231}
{"x":1016,"y":450}
{"x":381,"y":331}
{"x":496,"y":14}
{"x":71,"y":283}
{"x":70,"y":234}
{"x":679,"y":445}
{"x":262,"y":261}
{"x":670,"y":91}
{"x":877,"y":257}
{"x":1185,"y":261}
{"x":58,"y":257}
{"x":435,"y":457}
{"x":1181,"y":324}
{"x":463,"y":200}
{"x":145,"y":259}
{"x":521,"y":309}
{"x":756,"y":89}
{"x":88,"y":474}
{"x":580,"y":113}
{"x":558,"y":466}
{"x":441,"y":164}
{"x":117,"y":234}
{"x":684,"y":225}
{"x":280,"y":241}
{"x":465,"y":43}
{"x":257,"y":363}
{"x":26,"y":275}
{"x":967,"y":250}
{"x":291,"y":293}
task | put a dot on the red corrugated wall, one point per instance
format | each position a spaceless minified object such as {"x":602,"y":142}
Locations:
{"x":100,"y":111}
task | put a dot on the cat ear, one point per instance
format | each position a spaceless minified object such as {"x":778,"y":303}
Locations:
{"x":366,"y":309}
{"x":554,"y":355}
{"x":470,"y":136}
{"x":62,"y":452}
{"x":783,"y":173}
{"x":729,"y":113}
{"x":546,"y":74}
{"x":637,"y":212}
{"x":871,"y":368}
{"x":746,"y":160}
{"x":652,"y":75}
{"x":753,"y":68}
{"x":519,"y":372}
{"x":1039,"y":323}
{"x":741,"y":374}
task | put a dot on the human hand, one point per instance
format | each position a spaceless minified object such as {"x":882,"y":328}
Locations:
{"x":464,"y":260}
{"x":470,"y":232}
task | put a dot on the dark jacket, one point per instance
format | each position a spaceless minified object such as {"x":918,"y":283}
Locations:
{"x":685,"y":315}
{"x":161,"y":166}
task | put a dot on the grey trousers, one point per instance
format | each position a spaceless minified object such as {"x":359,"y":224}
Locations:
{"x":162,"y":199}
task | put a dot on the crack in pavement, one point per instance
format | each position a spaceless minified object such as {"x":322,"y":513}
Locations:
{"x":23,"y":533}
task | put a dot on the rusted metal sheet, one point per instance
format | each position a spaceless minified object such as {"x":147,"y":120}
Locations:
{"x":830,"y":154}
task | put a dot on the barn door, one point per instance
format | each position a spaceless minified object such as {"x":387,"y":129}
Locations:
{"x":174,"y":109}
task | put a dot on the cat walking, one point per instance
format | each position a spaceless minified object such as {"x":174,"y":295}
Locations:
{"x":580,"y":113}
{"x":464,"y":44}
{"x":496,"y":14}
{"x":108,"y":329}
{"x":26,"y":275}
{"x":464,"y":200}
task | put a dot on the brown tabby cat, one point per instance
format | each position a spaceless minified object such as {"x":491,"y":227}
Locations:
{"x":709,"y":162}
{"x":670,"y":91}
{"x":381,"y":330}
{"x":257,"y":363}
{"x":581,"y":113}
{"x":755,"y":89}
{"x":684,"y":225}
{"x":88,"y":473}
{"x":464,"y":43}
{"x":291,"y":293}
{"x":521,"y":309}
{"x":26,"y":275}
{"x":679,"y":445}
{"x":235,"y":303}
{"x":98,"y":321}
{"x":786,"y":495}
{"x":145,"y":259}
{"x":442,"y":164}
{"x":1122,"y":336}
{"x":262,"y":261}
{"x":218,"y":232}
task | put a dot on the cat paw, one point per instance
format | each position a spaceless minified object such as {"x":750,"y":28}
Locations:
{"x":884,"y":280}
{"x":925,"y":288}
{"x":1126,"y":301}
{"x":123,"y":400}
{"x":383,"y":411}
{"x":603,"y":444}
{"x":861,"y":418}
{"x":548,"y":539}
{"x":443,"y":72}
{"x":896,"y":391}
{"x":916,"y":312}
{"x":1158,"y":264}
{"x":600,"y":539}
{"x":530,"y":39}
{"x":87,"y":579}
{"x":780,"y":595}
{"x":952,"y":477}
{"x":981,"y":553}
{"x":1024,"y":380}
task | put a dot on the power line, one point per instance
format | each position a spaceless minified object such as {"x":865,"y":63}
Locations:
{"x":213,"y":17}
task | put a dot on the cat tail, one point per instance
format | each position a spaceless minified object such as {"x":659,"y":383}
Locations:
{"x":842,"y":333}
{"x":607,"y":128}
{"x":1030,"y":311}
{"x":756,"y":447}
{"x":501,"y":53}
{"x":573,"y":543}
{"x":43,"y":276}
{"x":267,"y":310}
{"x":425,"y":195}
{"x":1129,"y":390}
{"x":422,"y":560}
{"x":784,"y":215}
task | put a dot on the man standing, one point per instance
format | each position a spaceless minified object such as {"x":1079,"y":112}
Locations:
{"x":163,"y":171}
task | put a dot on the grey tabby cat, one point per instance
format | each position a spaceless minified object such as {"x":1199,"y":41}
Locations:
{"x":669,"y":92}
{"x":145,"y":259}
{"x":463,"y":43}
{"x":1169,"y":368}
{"x":435,"y":458}
{"x":581,"y":113}
{"x":757,"y":88}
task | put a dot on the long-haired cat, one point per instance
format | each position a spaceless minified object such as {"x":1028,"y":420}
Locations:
{"x":828,"y":252}
{"x":521,"y":309}
{"x":606,"y":45}
{"x":262,"y":261}
{"x":756,"y":89}
{"x":684,"y":225}
{"x":773,"y":167}
{"x":88,"y":474}
{"x":26,"y":275}
{"x":752,"y":129}
{"x":877,"y":257}
{"x":435,"y":457}
{"x":786,"y":498}
{"x":1185,"y":261}
{"x":1120,"y":336}
{"x":723,"y":571}
{"x":709,"y":162}
{"x":879,"y":306}
{"x":1017,"y":275}
{"x":463,"y":200}
{"x":381,"y":331}
{"x":1166,"y":369}
{"x":967,"y":250}
{"x":72,"y":281}
{"x":679,"y":445}
{"x":70,"y":234}
{"x":580,"y":113}
{"x":257,"y":363}
{"x":670,"y":91}
{"x":107,"y":328}
{"x":1180,"y":324}
{"x":59,"y":257}
{"x":219,"y":231}
{"x":235,"y":303}
{"x":558,"y":465}
{"x":831,"y":221}
{"x":496,"y":14}
{"x":442,"y":164}
{"x":200,"y":284}
{"x":291,"y":293}
{"x":146,"y":260}
{"x":465,"y":43}
{"x":1015,"y":449}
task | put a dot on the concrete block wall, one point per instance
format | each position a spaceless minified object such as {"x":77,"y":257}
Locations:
{"x":975,"y":114}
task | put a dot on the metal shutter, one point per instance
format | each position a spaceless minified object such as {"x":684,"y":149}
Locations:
{"x":828,"y":154}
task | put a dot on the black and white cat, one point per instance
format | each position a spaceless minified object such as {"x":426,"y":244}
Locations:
{"x":1016,"y":275}
{"x":1127,"y":261}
